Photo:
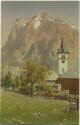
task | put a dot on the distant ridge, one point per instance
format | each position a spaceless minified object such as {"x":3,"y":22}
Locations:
{"x":39,"y":38}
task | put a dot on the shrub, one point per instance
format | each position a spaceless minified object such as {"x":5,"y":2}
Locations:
{"x":71,"y":106}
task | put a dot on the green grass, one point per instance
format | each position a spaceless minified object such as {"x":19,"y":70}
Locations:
{"x":19,"y":109}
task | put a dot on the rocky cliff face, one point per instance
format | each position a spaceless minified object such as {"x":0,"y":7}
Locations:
{"x":38,"y":39}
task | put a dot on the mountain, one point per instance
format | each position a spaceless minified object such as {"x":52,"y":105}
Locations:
{"x":39,"y":38}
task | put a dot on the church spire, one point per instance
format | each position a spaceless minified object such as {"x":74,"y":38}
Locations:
{"x":62,"y":46}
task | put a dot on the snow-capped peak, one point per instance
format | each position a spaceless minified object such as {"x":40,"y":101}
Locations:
{"x":40,"y":16}
{"x":21,"y":22}
{"x":37,"y":20}
{"x":36,"y":24}
{"x":74,"y":27}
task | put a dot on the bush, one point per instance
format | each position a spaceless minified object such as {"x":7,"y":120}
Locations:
{"x":47,"y":91}
{"x":71,"y":106}
{"x":24,"y":91}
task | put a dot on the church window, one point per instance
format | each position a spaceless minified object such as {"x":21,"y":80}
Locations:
{"x":63,"y":56}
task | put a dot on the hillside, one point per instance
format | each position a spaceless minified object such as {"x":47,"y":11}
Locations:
{"x":39,"y":38}
{"x":19,"y":109}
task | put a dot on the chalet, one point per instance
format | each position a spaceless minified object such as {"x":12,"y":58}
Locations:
{"x":71,"y":84}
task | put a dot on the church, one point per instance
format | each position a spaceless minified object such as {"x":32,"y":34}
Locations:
{"x":63,"y":59}
{"x":64,"y":81}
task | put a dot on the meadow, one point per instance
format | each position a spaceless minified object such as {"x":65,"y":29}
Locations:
{"x":20,"y":109}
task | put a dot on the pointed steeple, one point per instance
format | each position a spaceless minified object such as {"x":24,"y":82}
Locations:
{"x":62,"y":46}
{"x":62,"y":49}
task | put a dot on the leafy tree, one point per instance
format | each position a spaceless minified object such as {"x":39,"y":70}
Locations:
{"x":35,"y":74}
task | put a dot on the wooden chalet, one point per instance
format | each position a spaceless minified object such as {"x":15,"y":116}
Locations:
{"x":71,"y":84}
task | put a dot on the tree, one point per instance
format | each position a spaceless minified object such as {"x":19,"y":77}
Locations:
{"x":8,"y":81}
{"x":24,"y":85}
{"x":35,"y":73}
{"x":16,"y":82}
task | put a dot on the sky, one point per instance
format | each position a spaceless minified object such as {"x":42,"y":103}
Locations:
{"x":11,"y":10}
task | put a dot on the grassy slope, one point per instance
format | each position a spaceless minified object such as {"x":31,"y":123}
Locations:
{"x":17,"y":108}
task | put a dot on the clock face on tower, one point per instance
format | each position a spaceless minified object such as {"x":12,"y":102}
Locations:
{"x":63,"y":61}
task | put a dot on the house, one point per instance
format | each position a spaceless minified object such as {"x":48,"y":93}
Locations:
{"x":51,"y":81}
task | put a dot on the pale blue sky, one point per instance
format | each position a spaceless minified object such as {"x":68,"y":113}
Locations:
{"x":67,"y":10}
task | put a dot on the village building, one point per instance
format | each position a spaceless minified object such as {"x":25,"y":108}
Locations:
{"x":63,"y":59}
{"x":66,"y":80}
{"x":70,"y":85}
{"x":51,"y":81}
{"x":68,"y":77}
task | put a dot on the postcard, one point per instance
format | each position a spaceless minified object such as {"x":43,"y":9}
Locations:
{"x":39,"y":63}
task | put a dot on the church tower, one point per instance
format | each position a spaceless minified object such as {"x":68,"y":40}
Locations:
{"x":63,"y":59}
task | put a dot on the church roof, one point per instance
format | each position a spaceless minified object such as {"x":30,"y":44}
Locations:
{"x":62,"y":50}
{"x":62,"y":46}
